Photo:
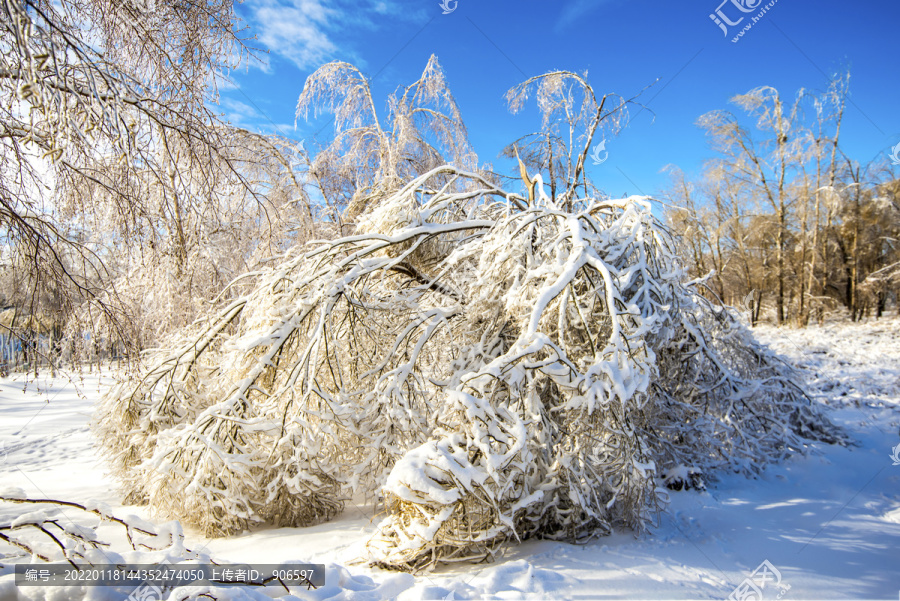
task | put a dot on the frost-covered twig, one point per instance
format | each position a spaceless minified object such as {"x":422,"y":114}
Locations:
{"x":79,"y":545}
{"x":75,"y":540}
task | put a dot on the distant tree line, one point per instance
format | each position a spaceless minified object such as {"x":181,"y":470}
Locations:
{"x":129,"y":207}
{"x":782,"y":218}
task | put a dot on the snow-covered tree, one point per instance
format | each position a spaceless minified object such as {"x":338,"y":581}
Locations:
{"x":126,"y":202}
{"x":365,"y":160}
{"x":488,"y":367}
{"x":571,"y":117}
{"x":490,"y":370}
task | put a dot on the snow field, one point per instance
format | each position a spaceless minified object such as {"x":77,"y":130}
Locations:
{"x":829,"y":523}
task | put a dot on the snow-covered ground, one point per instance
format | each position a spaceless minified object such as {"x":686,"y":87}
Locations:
{"x":828,"y":524}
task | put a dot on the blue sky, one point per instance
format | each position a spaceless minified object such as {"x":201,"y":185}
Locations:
{"x":485,"y":48}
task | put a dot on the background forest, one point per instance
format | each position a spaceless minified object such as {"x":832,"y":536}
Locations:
{"x":783,"y":219}
{"x":130,"y":208}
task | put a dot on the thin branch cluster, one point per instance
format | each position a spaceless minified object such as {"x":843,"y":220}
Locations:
{"x":63,"y":531}
{"x":55,"y":531}
{"x":118,"y":176}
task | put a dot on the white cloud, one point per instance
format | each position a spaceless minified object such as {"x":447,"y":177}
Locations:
{"x":572,"y":11}
{"x":239,"y":113}
{"x":296,"y":30}
{"x":304,"y":31}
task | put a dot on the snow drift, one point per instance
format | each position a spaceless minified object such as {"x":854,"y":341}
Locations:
{"x":488,"y":368}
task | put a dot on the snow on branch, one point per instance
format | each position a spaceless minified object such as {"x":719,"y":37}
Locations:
{"x":56,"y":530}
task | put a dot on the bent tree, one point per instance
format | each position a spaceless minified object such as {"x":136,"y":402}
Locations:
{"x":485,"y":367}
